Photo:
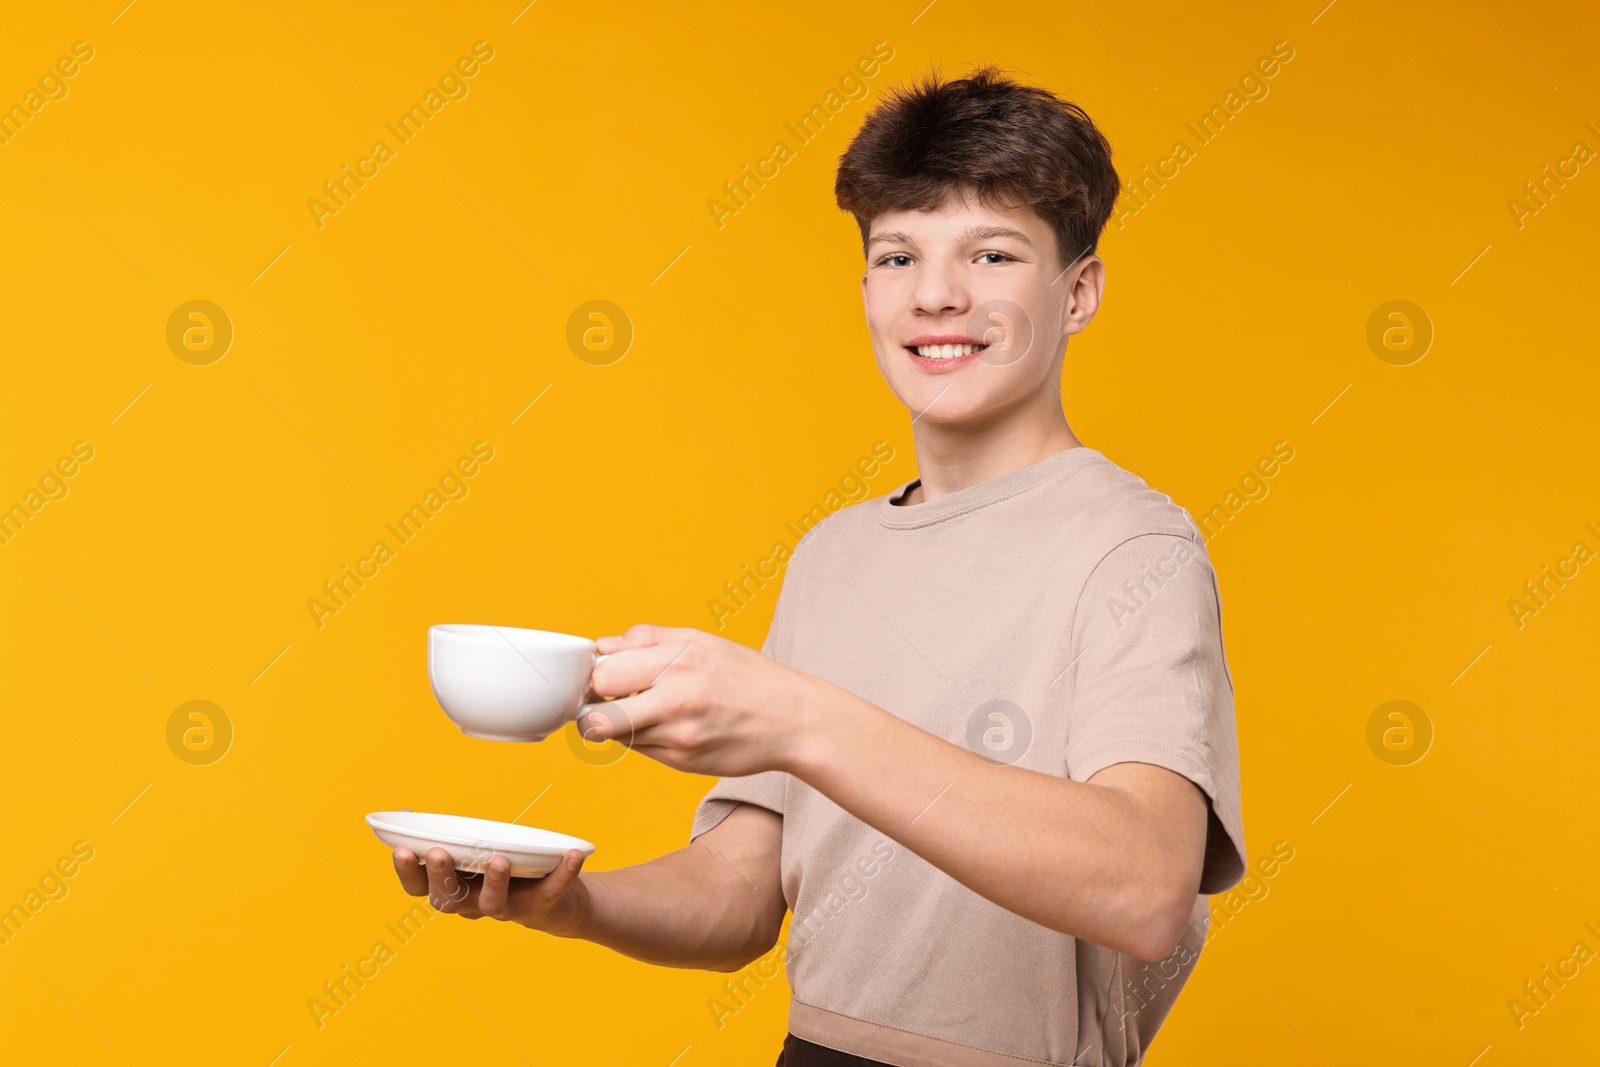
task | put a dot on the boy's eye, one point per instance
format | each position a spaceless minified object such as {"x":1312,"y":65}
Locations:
{"x":889,"y":260}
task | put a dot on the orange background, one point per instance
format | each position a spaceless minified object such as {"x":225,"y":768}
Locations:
{"x":432,"y":309}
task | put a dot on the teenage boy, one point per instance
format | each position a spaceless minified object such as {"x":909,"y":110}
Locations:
{"x":986,"y":755}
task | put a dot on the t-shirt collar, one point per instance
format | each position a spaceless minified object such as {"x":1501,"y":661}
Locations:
{"x":910,"y":516}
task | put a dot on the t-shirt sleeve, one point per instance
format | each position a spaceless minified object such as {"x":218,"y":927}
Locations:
{"x":1150,"y":684}
{"x":766,"y":788}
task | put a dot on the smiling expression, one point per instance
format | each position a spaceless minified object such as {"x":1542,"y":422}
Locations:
{"x":969,"y":308}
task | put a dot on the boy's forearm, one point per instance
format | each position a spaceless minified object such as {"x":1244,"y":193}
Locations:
{"x":674,"y":911}
{"x":1079,"y":858}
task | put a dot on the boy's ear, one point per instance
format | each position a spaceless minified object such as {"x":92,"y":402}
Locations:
{"x":1083,"y":283}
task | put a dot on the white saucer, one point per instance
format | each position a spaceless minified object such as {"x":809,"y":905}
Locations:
{"x":533,"y":852}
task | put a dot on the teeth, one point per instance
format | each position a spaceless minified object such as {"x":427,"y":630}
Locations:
{"x":947,"y":351}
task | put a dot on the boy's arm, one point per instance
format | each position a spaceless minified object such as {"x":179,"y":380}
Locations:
{"x":1115,"y":860}
{"x":1106,"y":841}
{"x":716,"y":904}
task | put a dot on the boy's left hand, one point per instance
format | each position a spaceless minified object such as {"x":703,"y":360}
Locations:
{"x":703,"y":704}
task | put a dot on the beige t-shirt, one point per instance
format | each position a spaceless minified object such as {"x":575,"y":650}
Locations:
{"x":1062,"y":617}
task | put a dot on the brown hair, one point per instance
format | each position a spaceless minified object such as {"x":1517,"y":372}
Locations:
{"x":1009,"y":143}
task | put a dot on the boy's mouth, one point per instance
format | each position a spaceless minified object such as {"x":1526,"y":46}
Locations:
{"x":945,"y":346}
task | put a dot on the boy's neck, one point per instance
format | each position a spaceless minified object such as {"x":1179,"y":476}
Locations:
{"x":955,"y":457}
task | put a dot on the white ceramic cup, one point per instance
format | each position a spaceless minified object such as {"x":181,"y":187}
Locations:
{"x":505,"y":683}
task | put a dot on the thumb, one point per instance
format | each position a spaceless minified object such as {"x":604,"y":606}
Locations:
{"x":558,"y":881}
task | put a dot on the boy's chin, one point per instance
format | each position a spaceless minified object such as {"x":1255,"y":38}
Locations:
{"x":946,"y":403}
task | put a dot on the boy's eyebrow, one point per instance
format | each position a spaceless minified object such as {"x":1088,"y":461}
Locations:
{"x":972,"y":233}
{"x":890,"y":237}
{"x":985,"y":233}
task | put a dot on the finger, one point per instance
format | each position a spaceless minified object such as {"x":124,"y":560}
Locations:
{"x":668,"y":755}
{"x":446,"y":890}
{"x":658,"y":735}
{"x":495,"y":894}
{"x":611,"y":675}
{"x":590,"y":695}
{"x":677,"y":757}
{"x":642,"y":635}
{"x":619,"y":720}
{"x":413,"y":878}
{"x":636,"y":636}
{"x":553,"y":886}
{"x":635,"y":670}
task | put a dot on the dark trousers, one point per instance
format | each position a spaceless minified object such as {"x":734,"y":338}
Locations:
{"x":798,"y":1053}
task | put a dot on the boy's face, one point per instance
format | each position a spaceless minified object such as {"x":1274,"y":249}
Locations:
{"x":969,"y":273}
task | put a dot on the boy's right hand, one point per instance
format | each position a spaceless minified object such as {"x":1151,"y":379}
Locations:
{"x":555,"y":903}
